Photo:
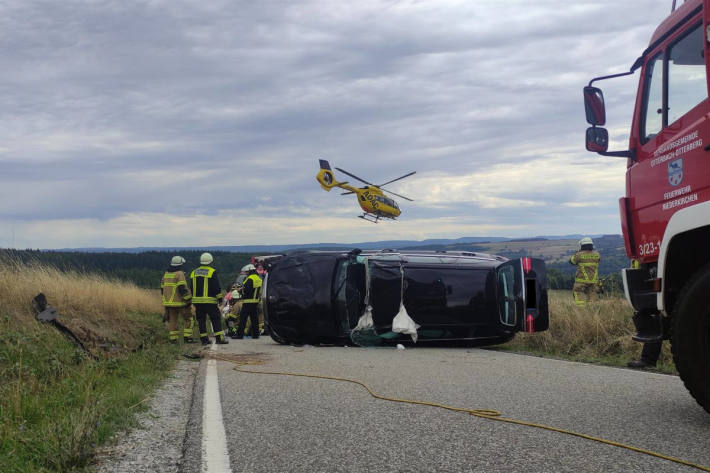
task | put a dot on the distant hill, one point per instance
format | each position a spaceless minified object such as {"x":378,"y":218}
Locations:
{"x":145,"y":265}
{"x":555,"y":251}
{"x":368,"y":245}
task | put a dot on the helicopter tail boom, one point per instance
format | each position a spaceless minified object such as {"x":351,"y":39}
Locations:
{"x":326,"y":178}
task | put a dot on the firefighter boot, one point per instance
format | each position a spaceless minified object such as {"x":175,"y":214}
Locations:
{"x":220,"y":340}
{"x":639,"y":364}
{"x":205,"y":341}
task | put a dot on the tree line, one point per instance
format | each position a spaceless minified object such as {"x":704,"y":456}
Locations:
{"x":143,"y":269}
{"x":146,"y":269}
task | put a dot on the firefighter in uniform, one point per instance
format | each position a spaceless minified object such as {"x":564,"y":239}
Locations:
{"x":177,"y":298}
{"x":232,"y":317}
{"x":251,"y":292}
{"x":651,"y":350}
{"x":586,"y":281}
{"x":206,"y":294}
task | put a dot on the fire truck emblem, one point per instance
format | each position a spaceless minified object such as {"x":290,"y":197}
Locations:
{"x":675,"y":172}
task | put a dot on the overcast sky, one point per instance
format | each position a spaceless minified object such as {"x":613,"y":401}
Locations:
{"x":187,"y":123}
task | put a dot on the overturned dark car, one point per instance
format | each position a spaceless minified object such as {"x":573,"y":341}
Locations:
{"x":382,"y":297}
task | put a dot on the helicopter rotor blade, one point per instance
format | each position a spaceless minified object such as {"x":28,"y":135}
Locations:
{"x":400,"y":177}
{"x":354,"y":176}
{"x":401,"y":196}
{"x":346,"y":193}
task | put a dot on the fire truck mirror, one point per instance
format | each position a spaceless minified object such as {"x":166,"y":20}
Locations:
{"x":597,"y":139}
{"x":594,"y":106}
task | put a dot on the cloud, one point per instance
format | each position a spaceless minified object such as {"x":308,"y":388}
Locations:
{"x":117,"y":117}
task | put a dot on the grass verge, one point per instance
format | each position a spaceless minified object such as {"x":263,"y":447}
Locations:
{"x":57,"y":404}
{"x":599,"y":332}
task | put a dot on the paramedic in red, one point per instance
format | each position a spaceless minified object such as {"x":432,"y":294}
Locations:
{"x":251,"y":296}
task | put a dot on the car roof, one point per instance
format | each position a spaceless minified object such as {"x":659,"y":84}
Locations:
{"x":420,"y":256}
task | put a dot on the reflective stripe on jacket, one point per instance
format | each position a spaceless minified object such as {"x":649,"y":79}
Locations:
{"x":252,"y":295}
{"x":205,"y":286}
{"x":587,"y":262}
{"x":175,"y":292}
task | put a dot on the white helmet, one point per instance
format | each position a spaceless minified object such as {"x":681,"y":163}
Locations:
{"x":177,"y":261}
{"x":248,"y":267}
{"x":206,"y":258}
{"x":585,"y":241}
{"x":236,"y":295}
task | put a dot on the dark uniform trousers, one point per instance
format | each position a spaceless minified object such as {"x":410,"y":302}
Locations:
{"x":202,"y":311}
{"x":651,"y":351}
{"x":251,"y":312}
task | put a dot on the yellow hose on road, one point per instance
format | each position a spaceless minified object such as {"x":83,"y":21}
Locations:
{"x":482,"y":413}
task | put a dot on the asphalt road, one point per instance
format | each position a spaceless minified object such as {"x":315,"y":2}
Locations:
{"x":279,"y":423}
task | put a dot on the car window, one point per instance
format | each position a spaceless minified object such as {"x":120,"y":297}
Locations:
{"x":506,"y":294}
{"x":653,"y":116}
{"x":687,"y":85}
{"x":240,"y":279}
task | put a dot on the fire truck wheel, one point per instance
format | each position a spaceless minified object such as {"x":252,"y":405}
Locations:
{"x":690,"y":337}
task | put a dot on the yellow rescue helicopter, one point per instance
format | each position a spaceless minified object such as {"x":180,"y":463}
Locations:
{"x":372,"y":200}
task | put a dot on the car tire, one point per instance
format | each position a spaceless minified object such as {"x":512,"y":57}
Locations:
{"x":276,"y":337}
{"x":690,"y":337}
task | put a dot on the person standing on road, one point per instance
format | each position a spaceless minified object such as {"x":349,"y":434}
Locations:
{"x":586,"y":281}
{"x":251,"y":292}
{"x":650,"y":353}
{"x":177,"y":298}
{"x":207,"y":293}
{"x":232,"y":317}
{"x":647,"y":332}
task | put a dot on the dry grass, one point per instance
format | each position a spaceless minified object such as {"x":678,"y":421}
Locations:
{"x":72,"y":292}
{"x":56,"y":403}
{"x":597,"y":332}
{"x":97,"y":309}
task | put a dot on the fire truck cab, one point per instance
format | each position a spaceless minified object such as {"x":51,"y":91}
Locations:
{"x":665,"y":214}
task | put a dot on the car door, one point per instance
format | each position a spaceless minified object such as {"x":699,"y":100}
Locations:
{"x":521,"y":294}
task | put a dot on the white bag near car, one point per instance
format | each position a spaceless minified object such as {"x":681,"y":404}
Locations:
{"x":403,"y":323}
{"x":365,"y":321}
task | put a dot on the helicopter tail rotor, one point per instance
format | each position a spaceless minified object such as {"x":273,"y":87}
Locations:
{"x":325,"y":176}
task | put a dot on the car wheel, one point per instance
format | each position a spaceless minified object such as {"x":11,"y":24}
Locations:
{"x":276,"y":337}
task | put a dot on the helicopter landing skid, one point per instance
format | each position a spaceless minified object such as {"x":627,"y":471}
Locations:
{"x":369,"y":218}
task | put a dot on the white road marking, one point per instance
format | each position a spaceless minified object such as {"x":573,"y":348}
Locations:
{"x":215,"y":457}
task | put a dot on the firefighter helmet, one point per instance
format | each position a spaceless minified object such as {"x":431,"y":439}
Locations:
{"x":206,"y":258}
{"x":585,"y":241}
{"x":177,"y":261}
{"x":249,"y":267}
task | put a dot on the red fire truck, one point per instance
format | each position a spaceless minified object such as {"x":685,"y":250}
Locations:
{"x":665,"y":214}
